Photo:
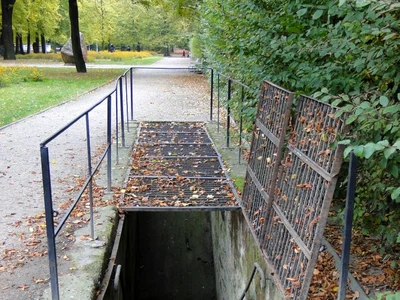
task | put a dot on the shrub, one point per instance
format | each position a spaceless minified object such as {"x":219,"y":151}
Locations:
{"x":42,"y":56}
{"x":117,"y":55}
{"x":15,"y":75}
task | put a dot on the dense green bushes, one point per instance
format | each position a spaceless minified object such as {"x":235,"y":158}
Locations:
{"x":344,"y":52}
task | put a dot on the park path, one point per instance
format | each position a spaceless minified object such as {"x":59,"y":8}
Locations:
{"x":161,"y":95}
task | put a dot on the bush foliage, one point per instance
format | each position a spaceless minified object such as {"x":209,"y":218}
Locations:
{"x":14,"y":75}
{"x":344,"y":52}
{"x":92,"y":56}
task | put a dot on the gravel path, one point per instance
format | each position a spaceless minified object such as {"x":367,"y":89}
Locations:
{"x":160,"y":95}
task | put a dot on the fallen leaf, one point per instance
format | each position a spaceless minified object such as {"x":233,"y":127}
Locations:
{"x":291,"y":278}
{"x":356,"y":295}
{"x":40,"y":280}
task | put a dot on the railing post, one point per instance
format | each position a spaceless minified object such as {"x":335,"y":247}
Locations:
{"x":116,"y":126}
{"x":212,"y":94}
{"x":109,"y":157}
{"x":89,"y":151}
{"x":122,"y":112}
{"x":351,"y":190}
{"x":126,"y":103}
{"x":51,"y":239}
{"x":228,"y":117}
{"x":131,"y":82}
{"x":241,"y":125}
{"x":218,"y":100}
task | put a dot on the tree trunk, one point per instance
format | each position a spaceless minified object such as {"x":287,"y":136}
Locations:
{"x":16,"y":44}
{"x":7,"y":10}
{"x":36,"y":44}
{"x":43,"y":41}
{"x":19,"y":44}
{"x":75,"y":37}
{"x":28,"y":43}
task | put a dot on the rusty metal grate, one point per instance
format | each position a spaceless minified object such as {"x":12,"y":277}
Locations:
{"x":178,"y":150}
{"x":287,"y":197}
{"x":178,"y":192}
{"x":173,"y":127}
{"x":188,"y":167}
{"x":266,"y":150}
{"x":176,"y":167}
{"x":174,"y":138}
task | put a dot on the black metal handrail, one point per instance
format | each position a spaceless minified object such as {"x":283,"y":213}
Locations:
{"x":120,"y":95}
{"x":243,"y":87}
{"x":123,"y":94}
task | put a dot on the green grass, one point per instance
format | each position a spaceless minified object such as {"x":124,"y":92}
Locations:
{"x":59,"y":85}
{"x":239,"y":183}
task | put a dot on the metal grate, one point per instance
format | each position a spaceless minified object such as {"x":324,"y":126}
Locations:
{"x":176,"y":167}
{"x":177,"y":150}
{"x":266,"y":151}
{"x":173,"y":127}
{"x":174,"y":138}
{"x":188,"y":167}
{"x":286,"y":199}
{"x":178,"y":192}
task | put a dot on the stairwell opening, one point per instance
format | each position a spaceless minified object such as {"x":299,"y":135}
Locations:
{"x":164,"y":255}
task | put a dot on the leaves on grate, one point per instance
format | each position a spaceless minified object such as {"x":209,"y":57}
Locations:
{"x":177,"y":150}
{"x":315,"y":131}
{"x":189,"y":167}
{"x":178,"y":192}
{"x":176,"y":165}
{"x":151,"y":137}
{"x":172,"y":126}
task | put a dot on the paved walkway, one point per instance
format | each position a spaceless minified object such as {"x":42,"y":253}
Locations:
{"x":159,"y":95}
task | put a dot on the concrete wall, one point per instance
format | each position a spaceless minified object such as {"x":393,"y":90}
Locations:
{"x":235,"y":253}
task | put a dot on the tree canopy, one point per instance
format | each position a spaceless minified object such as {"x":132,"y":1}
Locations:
{"x":154,"y":24}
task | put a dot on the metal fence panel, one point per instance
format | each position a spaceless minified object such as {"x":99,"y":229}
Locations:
{"x":287,"y":197}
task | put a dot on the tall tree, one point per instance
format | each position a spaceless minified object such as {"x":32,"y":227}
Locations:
{"x":7,"y":7}
{"x":75,"y":37}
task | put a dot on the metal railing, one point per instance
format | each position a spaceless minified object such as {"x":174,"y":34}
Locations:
{"x":225,"y":101}
{"x":120,"y":95}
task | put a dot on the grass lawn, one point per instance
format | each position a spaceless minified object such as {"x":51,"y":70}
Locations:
{"x":59,"y":85}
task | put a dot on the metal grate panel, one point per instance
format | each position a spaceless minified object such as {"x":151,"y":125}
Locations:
{"x":176,"y":167}
{"x":178,"y":192}
{"x":286,"y":201}
{"x":151,"y":137}
{"x":177,"y":150}
{"x":173,"y":127}
{"x":188,"y":167}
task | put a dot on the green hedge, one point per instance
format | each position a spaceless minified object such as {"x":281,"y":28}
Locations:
{"x":343,"y":52}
